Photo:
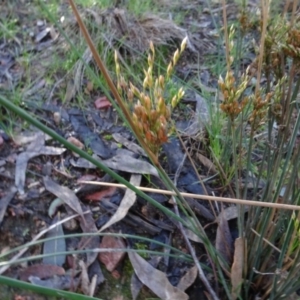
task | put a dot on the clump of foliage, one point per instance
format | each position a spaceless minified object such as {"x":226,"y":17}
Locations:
{"x":269,"y":110}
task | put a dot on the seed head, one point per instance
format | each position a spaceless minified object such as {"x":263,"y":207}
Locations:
{"x":183,"y":44}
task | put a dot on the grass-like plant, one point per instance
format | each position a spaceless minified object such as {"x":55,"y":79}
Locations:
{"x":265,"y":122}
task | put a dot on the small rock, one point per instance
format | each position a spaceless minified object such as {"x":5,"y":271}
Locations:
{"x":47,"y":169}
{"x":39,"y":23}
{"x":76,"y":143}
{"x":57,"y":118}
{"x":71,"y":225}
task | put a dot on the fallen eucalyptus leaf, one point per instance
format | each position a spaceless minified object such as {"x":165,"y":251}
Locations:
{"x":232,"y":212}
{"x":237,"y":268}
{"x":127,"y":201}
{"x":22,"y":161}
{"x":154,"y":279}
{"x":82,"y":163}
{"x":55,"y":246}
{"x":104,"y":193}
{"x":135,"y":284}
{"x":190,"y":234}
{"x":224,"y":243}
{"x":121,"y":162}
{"x":42,"y":271}
{"x":65,"y":194}
{"x":53,"y":206}
{"x":207,"y":163}
{"x":112,"y":259}
{"x":188,"y":279}
{"x":85,"y":281}
{"x":88,"y":226}
{"x":4,"y":201}
{"x":65,"y":282}
{"x":129,"y":145}
{"x":129,"y":164}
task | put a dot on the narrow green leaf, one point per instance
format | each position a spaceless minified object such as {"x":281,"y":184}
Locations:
{"x":42,"y":290}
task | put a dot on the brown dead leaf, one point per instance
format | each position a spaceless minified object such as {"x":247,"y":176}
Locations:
{"x":119,"y":138}
{"x":207,"y":163}
{"x":154,"y":279}
{"x":65,"y":194}
{"x":191,"y":235}
{"x":135,"y":284}
{"x":70,"y":91}
{"x":88,"y":226}
{"x":42,"y":271}
{"x":102,"y":102}
{"x":188,"y":279}
{"x":57,"y":245}
{"x":4,"y":201}
{"x":75,"y":142}
{"x":89,"y":87}
{"x":130,"y":164}
{"x":127,"y":201}
{"x":23,"y":158}
{"x":112,"y":259}
{"x":87,"y":177}
{"x":98,"y":196}
{"x":28,"y":137}
{"x":237,"y":268}
{"x":64,"y":282}
{"x":85,"y":281}
{"x":224,"y":243}
{"x":232,"y":212}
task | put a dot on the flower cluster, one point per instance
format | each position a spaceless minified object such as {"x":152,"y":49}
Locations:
{"x":260,"y":110}
{"x":150,"y":110}
{"x":232,"y":105}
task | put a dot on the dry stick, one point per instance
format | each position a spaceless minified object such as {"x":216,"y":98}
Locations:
{"x":187,"y":241}
{"x":226,"y":35}
{"x":264,"y":14}
{"x":295,"y":4}
{"x":202,"y":197}
{"x":286,"y":6}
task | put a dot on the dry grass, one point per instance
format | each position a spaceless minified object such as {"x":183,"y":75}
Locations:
{"x":135,"y":33}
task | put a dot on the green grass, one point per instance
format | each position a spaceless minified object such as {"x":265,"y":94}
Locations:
{"x":8,"y":28}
